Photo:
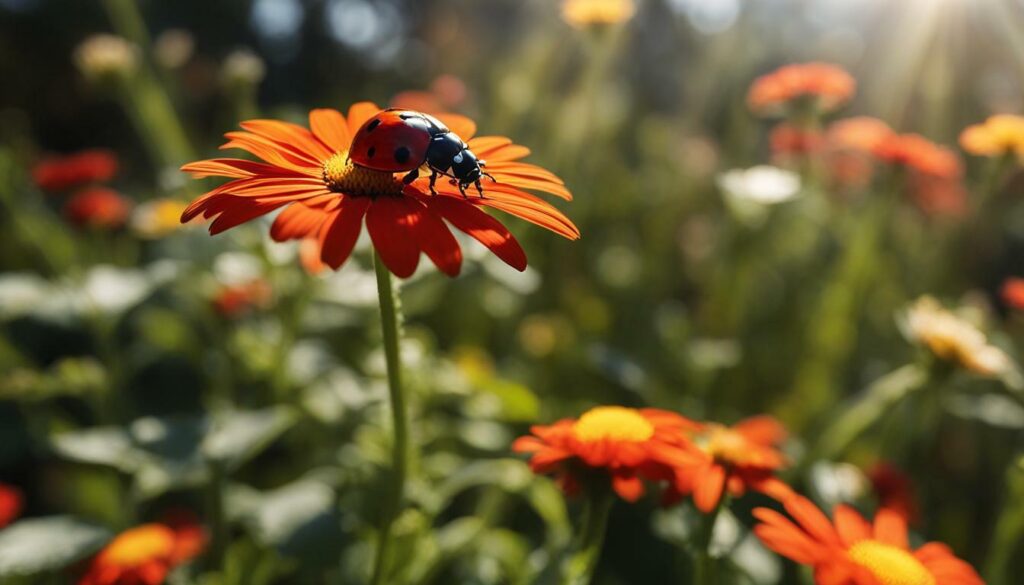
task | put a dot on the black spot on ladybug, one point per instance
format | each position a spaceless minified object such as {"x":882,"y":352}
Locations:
{"x":371,"y":152}
{"x":373,"y":126}
{"x":402,"y":154}
{"x":407,"y":116}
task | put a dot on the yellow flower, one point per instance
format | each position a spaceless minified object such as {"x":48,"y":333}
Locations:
{"x":158,"y":218}
{"x":584,"y":13}
{"x":999,"y":135}
{"x":952,"y":338}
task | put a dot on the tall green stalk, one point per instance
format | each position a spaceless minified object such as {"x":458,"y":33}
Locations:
{"x":399,"y":418}
{"x":833,"y":321}
{"x":705,"y":569}
{"x":874,"y":403}
{"x":579,"y":569}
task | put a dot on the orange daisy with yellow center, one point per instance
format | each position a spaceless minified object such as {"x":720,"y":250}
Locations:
{"x":737,"y":458}
{"x":851,"y":551}
{"x":625,"y":445}
{"x":326,"y":197}
{"x":144,"y":555}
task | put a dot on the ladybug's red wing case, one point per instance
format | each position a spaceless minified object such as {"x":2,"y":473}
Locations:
{"x":391,"y":142}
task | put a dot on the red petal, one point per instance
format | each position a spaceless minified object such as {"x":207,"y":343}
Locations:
{"x":297,"y":221}
{"x":341,"y":231}
{"x":331,"y":128}
{"x":435,"y":239}
{"x":481,"y":227}
{"x":390,"y":225}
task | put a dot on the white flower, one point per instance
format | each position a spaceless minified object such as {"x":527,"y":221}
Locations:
{"x":954,"y":339}
{"x":764,"y":185}
{"x":104,"y":56}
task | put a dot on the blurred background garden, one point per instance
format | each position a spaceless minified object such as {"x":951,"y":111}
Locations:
{"x":741,"y":254}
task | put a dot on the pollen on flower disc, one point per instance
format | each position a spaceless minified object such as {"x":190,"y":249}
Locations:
{"x":889,"y":564}
{"x":613,"y":422}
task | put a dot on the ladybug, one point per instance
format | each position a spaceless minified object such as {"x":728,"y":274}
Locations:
{"x":405,"y":140}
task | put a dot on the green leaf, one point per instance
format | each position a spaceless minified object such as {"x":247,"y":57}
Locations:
{"x":39,"y":545}
{"x":236,"y":437}
{"x":110,"y":446}
{"x":299,"y":520}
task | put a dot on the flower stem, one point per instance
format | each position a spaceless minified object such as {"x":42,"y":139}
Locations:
{"x":399,"y":417}
{"x":579,"y":569}
{"x":217,"y":551}
{"x":875,"y":402}
{"x":704,"y":572}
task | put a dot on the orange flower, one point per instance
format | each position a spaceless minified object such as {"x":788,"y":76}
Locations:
{"x":98,"y":207}
{"x":11,"y":503}
{"x":446,"y":93}
{"x":920,"y":154}
{"x":326,"y":197}
{"x":861,"y":133}
{"x":1012,"y":293}
{"x":895,"y":490}
{"x":852,"y":551}
{"x":624,"y":444}
{"x":232,"y":301}
{"x":938,"y":196}
{"x":787,"y":139}
{"x":999,"y":135}
{"x":144,"y":555}
{"x":827,"y":85}
{"x":738,"y":458}
{"x":57,"y":173}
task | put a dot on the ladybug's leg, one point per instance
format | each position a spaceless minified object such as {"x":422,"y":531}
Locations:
{"x":411,"y":176}
{"x":462,"y":189}
{"x":479,"y":188}
{"x":433,"y":179}
{"x":488,"y":175}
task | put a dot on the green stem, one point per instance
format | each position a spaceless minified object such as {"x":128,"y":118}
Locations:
{"x":145,"y":99}
{"x":217,"y":552}
{"x":579,"y":569}
{"x":399,"y":417}
{"x":1009,"y":531}
{"x":834,"y":321}
{"x":128,"y":21}
{"x":704,"y":568}
{"x":874,"y":403}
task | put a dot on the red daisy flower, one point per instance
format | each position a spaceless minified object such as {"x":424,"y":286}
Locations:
{"x":98,"y":207}
{"x":788,"y":140}
{"x":624,"y":444}
{"x":11,"y":503}
{"x":738,"y":458}
{"x":235,"y":300}
{"x":145,"y":554}
{"x":851,"y":551}
{"x":57,"y":173}
{"x":327,"y":197}
{"x":895,"y":490}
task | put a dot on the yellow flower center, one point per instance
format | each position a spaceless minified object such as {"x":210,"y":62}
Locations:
{"x":725,"y":444}
{"x":141,"y":544}
{"x":889,"y":564}
{"x":613,"y":422}
{"x":341,"y":175}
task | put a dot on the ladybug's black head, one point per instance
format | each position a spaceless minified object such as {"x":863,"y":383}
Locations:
{"x":466,"y":167}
